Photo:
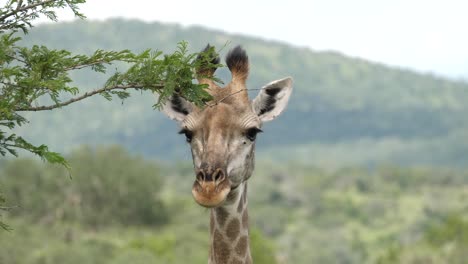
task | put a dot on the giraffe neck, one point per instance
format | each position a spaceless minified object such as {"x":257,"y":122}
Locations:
{"x":229,"y":229}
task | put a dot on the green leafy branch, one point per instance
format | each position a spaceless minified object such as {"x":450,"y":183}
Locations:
{"x":27,"y":75}
{"x":18,"y":14}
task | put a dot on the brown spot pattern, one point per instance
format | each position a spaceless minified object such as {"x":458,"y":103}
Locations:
{"x":233,"y":229}
{"x":221,"y":216}
{"x":241,"y":247}
{"x":217,"y":237}
{"x":237,"y":261}
{"x":232,"y":196}
{"x":220,"y":248}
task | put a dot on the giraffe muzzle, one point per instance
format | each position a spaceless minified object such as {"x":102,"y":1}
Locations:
{"x":211,"y":188}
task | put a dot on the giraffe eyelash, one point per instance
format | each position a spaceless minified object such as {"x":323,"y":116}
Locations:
{"x":251,"y":133}
{"x":188,"y":134}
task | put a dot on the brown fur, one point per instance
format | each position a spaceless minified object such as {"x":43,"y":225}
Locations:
{"x":242,"y":245}
{"x":233,"y":229}
{"x":237,"y":261}
{"x":221,"y":249}
{"x":229,"y":233}
{"x":221,"y":216}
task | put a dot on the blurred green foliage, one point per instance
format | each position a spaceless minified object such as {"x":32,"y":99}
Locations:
{"x":263,"y":250}
{"x":108,"y":186}
{"x":444,"y":241}
{"x":120,"y":208}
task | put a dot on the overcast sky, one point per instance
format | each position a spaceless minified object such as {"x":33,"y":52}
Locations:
{"x":425,"y":35}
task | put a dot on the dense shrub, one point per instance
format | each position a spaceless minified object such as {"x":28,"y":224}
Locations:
{"x":107,"y":185}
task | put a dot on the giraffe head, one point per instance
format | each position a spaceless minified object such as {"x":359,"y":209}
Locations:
{"x":222,"y":134}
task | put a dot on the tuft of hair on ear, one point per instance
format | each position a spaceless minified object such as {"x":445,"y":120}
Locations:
{"x":238,"y":63}
{"x":208,"y":58}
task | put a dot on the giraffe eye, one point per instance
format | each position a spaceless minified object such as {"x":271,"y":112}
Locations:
{"x":188,"y":134}
{"x":251,"y":133}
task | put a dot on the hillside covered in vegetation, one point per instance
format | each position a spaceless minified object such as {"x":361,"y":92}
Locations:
{"x":121,"y":208}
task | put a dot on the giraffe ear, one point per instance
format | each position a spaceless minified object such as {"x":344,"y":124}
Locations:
{"x":272,"y":99}
{"x":177,"y":108}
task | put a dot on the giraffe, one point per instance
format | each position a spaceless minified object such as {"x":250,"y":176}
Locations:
{"x":222,"y":140}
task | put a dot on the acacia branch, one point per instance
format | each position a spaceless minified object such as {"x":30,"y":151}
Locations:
{"x":93,"y":63}
{"x":18,"y":10}
{"x":85,"y":65}
{"x":86,"y":95}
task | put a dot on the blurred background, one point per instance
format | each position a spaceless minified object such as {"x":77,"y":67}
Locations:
{"x":368,"y":164}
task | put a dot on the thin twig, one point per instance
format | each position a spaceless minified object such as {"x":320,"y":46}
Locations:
{"x":229,"y":95}
{"x":85,"y":95}
{"x":81,"y":66}
{"x":103,"y":61}
{"x":16,"y":58}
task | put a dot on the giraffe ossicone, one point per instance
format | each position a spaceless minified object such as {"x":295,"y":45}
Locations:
{"x":222,"y":140}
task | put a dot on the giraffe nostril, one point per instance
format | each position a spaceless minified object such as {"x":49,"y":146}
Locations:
{"x":219,"y":175}
{"x":200,"y":176}
{"x":206,"y":176}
